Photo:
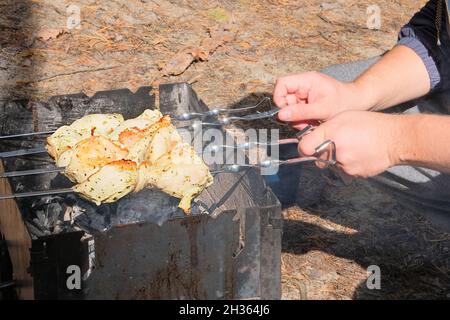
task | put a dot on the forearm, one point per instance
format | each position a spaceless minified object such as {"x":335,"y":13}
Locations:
{"x":398,"y":77}
{"x":422,"y":140}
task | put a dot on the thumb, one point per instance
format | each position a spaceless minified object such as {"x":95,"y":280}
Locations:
{"x":308,"y":144}
{"x":300,"y":112}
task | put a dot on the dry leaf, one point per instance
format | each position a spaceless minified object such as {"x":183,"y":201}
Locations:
{"x":244,"y":44}
{"x":26,"y":53}
{"x":179,"y":63}
{"x":184,"y":58}
{"x":46,"y":34}
{"x":199,"y":54}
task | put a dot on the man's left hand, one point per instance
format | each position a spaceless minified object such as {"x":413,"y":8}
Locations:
{"x":366,"y":142}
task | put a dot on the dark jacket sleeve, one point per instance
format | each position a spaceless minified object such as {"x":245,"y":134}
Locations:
{"x":420,"y":35}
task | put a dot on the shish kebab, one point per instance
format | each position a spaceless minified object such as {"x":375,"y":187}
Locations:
{"x":108,"y":158}
{"x":182,"y":117}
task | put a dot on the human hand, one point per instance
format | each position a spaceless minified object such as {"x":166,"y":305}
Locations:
{"x":313,"y":96}
{"x":367,"y":143}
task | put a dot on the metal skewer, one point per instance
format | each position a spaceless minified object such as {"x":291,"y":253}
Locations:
{"x":22,"y":173}
{"x":29,"y":134}
{"x":214,"y":148}
{"x":184,"y":116}
{"x":251,"y":144}
{"x":250,"y":117}
{"x":217,"y":111}
{"x":36,"y":193}
{"x":227,"y":169}
{"x":235,"y":168}
{"x":22,"y":152}
{"x":223,"y":121}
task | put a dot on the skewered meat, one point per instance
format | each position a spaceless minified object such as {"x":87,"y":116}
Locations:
{"x":141,"y":143}
{"x":146,"y":151}
{"x":97,"y":124}
{"x":142,"y":122}
{"x":91,"y":154}
{"x":180,"y":173}
{"x":162,"y":142}
{"x":112,"y":182}
{"x":66,"y":137}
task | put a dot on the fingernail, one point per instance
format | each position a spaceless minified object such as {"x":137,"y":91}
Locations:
{"x":285,"y":114}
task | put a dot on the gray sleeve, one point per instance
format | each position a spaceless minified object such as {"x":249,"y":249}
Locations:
{"x":420,"y":35}
{"x":408,"y":39}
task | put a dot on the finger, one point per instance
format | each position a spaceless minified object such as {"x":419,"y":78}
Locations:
{"x":302,"y":112}
{"x":308,"y":144}
{"x":294,"y":84}
{"x":302,"y":94}
{"x":280,"y":101}
{"x":291,"y":99}
{"x":280,"y":93}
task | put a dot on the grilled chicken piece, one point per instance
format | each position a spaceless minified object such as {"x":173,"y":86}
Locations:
{"x":90,"y":155}
{"x":66,"y":137}
{"x":61,"y":142}
{"x":136,"y":134}
{"x":163,"y":141}
{"x":180,"y":173}
{"x":142,"y":122}
{"x":107,"y":162}
{"x":150,"y":143}
{"x":64,"y":159}
{"x":97,"y":124}
{"x":112,"y":182}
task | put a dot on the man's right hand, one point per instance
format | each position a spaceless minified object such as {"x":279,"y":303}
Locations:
{"x":313,"y":96}
{"x":399,"y":76}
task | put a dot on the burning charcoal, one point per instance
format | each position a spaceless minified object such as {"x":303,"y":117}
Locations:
{"x":44,"y":201}
{"x":71,"y":199}
{"x":68,"y":215}
{"x":91,"y":218}
{"x":65,"y":221}
{"x":36,"y":231}
{"x":149,"y":205}
{"x":63,"y":226}
{"x":46,"y":212}
{"x":60,"y":181}
{"x":53,"y":212}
